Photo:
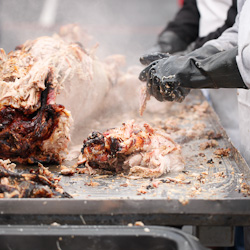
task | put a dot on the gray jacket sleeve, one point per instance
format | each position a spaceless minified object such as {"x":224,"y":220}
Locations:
{"x":243,"y":58}
{"x":228,"y":39}
{"x":238,"y":35}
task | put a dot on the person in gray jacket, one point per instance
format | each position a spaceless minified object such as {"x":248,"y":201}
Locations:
{"x":219,"y":63}
{"x":197,"y":22}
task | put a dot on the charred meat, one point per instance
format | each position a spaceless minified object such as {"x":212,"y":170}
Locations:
{"x":137,"y":149}
{"x":33,"y":128}
{"x":24,"y":137}
{"x":33,"y":184}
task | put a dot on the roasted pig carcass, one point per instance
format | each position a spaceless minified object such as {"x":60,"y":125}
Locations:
{"x":136,"y":149}
{"x":43,"y":84}
{"x":32,"y":127}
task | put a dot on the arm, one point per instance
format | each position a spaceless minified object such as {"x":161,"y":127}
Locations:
{"x":226,"y":64}
{"x":229,"y":22}
{"x":170,"y":78}
{"x":243,"y":59}
{"x":186,"y":22}
{"x":228,"y":39}
{"x":180,"y":32}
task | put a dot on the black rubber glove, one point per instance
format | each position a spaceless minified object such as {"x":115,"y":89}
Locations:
{"x":170,"y":78}
{"x":160,"y":92}
{"x":169,"y":42}
{"x":164,"y":91}
{"x":149,"y":58}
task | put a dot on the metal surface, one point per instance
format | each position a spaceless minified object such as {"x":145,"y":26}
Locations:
{"x":209,"y":199}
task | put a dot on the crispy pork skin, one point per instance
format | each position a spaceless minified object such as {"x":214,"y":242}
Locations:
{"x":136,"y":149}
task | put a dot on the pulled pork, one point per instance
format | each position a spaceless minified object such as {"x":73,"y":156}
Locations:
{"x":136,"y":149}
{"x":34,"y":184}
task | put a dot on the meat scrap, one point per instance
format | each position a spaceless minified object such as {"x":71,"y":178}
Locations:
{"x":92,"y":184}
{"x":201,"y":108}
{"x":222,"y":152}
{"x":209,"y":144}
{"x":141,"y":191}
{"x":34,"y":184}
{"x":213,"y":135}
{"x":245,"y":189}
{"x":199,"y":126}
{"x":144,"y":98}
{"x":135,"y":149}
{"x":67,"y":171}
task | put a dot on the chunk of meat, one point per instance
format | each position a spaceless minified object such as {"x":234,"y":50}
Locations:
{"x":220,"y":152}
{"x":137,"y":149}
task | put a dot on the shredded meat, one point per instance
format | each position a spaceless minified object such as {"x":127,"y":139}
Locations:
{"x":136,"y":149}
{"x":209,"y":144}
{"x":34,"y":184}
{"x":222,"y":152}
{"x":144,"y":97}
{"x":39,"y":82}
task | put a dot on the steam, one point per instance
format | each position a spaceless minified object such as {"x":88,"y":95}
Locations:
{"x":48,"y":14}
{"x":128,"y":28}
{"x":120,"y":27}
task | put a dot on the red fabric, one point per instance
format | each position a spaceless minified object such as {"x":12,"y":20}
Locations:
{"x":180,"y":2}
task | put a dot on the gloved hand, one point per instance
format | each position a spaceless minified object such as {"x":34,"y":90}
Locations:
{"x":162,"y":87}
{"x":169,"y":42}
{"x":149,"y":58}
{"x":162,"y":92}
{"x":159,"y":91}
{"x":171,"y":78}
